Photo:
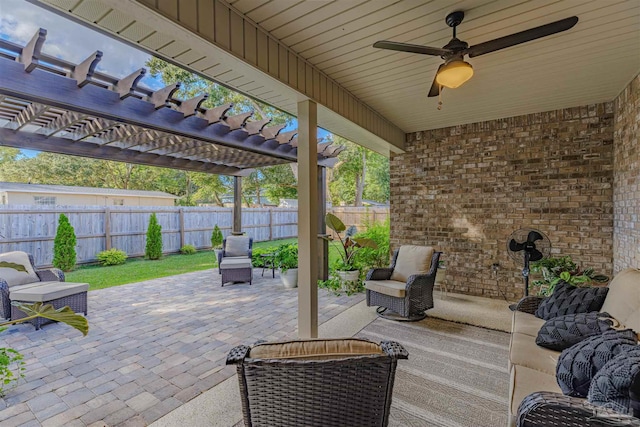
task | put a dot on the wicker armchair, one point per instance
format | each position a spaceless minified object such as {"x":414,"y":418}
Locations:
{"x":235,"y":247}
{"x":404,"y":290}
{"x":49,"y":275}
{"x":546,"y":409}
{"x":339,"y":382}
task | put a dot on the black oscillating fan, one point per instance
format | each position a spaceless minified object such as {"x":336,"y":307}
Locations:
{"x":525,"y":245}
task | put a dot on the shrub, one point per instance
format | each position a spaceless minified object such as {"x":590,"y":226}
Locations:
{"x":258,"y":261}
{"x":112,"y":257}
{"x":64,"y":245}
{"x":216,"y":238}
{"x":153,"y":249}
{"x":188,"y":250}
{"x":374,"y":257}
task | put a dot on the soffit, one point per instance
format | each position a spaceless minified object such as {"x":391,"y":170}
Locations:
{"x":590,"y":63}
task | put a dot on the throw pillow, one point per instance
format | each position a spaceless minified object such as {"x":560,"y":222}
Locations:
{"x":568,"y":299}
{"x":562,"y":332}
{"x":610,"y":386}
{"x":578,"y":364}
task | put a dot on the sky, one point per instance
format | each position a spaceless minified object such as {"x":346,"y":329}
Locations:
{"x":19,"y":21}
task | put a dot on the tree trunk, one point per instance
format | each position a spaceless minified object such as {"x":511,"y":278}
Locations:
{"x":360,"y":181}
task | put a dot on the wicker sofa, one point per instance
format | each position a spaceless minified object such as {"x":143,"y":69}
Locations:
{"x":533,"y":368}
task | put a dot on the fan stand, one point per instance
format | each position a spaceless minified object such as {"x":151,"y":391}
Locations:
{"x":525,"y":272}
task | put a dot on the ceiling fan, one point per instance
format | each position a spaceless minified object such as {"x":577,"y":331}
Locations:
{"x":455,"y":71}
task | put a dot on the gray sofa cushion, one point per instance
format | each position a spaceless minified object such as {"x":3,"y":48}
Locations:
{"x":46,"y":291}
{"x":562,"y":332}
{"x":578,"y":364}
{"x":23,"y":272}
{"x":610,"y":386}
{"x":568,"y":299}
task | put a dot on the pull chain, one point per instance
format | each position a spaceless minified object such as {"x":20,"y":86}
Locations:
{"x":440,"y":97}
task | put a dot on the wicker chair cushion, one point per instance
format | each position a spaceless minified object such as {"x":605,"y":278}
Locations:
{"x":46,"y":291}
{"x":564,"y":331}
{"x":25,"y":273}
{"x":235,"y":263}
{"x":412,"y":260}
{"x":236,"y":246}
{"x":315,"y":349}
{"x":387,"y":287}
{"x":568,"y":299}
{"x":610,"y":386}
{"x":578,"y":364}
{"x":623,"y":299}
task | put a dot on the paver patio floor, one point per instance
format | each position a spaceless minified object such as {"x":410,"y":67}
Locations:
{"x":152,"y":346}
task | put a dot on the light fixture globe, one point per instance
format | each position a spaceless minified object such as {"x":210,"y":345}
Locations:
{"x":454,"y":73}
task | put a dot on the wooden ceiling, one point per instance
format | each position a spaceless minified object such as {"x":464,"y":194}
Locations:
{"x":590,"y":63}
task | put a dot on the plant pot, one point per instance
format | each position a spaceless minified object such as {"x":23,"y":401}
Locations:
{"x":348,"y":278}
{"x":290,"y":278}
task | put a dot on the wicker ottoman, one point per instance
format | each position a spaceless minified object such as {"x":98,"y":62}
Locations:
{"x":236,"y":270}
{"x":58,"y":294}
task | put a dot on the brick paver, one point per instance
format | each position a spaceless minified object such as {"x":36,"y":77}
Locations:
{"x":152,"y":346}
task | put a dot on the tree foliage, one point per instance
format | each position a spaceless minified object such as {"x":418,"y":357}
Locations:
{"x":153,"y":248}
{"x":64,"y":245}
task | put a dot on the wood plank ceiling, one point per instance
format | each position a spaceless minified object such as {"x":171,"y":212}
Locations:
{"x":590,"y":63}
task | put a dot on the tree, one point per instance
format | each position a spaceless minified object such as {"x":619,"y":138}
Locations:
{"x":64,"y":245}
{"x":153,"y":249}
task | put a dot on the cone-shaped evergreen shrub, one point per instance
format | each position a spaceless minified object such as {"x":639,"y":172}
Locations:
{"x":64,"y":245}
{"x":216,"y":238}
{"x":153,"y":250}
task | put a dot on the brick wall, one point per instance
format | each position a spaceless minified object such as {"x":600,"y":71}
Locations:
{"x":464,"y":189}
{"x":626,"y":193}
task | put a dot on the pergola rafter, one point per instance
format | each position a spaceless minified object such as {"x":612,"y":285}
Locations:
{"x":52,"y":105}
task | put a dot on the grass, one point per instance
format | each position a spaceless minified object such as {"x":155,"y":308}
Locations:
{"x":138,"y":269}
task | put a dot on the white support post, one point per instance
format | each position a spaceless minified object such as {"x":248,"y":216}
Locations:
{"x":307,"y":220}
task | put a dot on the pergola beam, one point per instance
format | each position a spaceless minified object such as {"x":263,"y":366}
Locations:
{"x":52,"y":144}
{"x":58,"y":91}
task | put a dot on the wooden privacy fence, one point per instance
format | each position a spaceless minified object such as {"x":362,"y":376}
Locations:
{"x":32,"y":229}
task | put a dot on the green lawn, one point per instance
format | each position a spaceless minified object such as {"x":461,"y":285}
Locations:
{"x":138,"y":270}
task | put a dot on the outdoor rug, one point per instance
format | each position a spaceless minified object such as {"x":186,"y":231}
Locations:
{"x":456,"y":375}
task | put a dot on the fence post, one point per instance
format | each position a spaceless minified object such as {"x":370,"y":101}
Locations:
{"x":374,"y":216}
{"x":181,"y":225}
{"x":270,"y":224}
{"x":107,"y":228}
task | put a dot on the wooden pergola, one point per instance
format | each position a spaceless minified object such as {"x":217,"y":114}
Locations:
{"x":52,"y":105}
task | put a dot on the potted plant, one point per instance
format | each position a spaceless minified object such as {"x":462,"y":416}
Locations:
{"x":286,"y":260}
{"x":346,"y":268}
{"x":556,"y":269}
{"x":216,"y":240}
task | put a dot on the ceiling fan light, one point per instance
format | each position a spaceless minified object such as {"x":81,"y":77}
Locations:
{"x":454,"y":74}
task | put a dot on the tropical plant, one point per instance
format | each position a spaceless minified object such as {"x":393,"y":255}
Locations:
{"x":336,"y":285}
{"x":257,"y":260}
{"x":153,"y":249}
{"x":348,"y":245}
{"x":216,"y":238}
{"x":556,"y":269}
{"x":64,"y":245}
{"x":286,"y":257}
{"x":112,"y":256}
{"x":12,"y":365}
{"x":188,"y":250}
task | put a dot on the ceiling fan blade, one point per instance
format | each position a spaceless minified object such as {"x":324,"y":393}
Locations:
{"x":435,"y":87}
{"x":411,"y":48}
{"x":522,"y":37}
{"x":535,"y":255}
{"x":533,"y":236}
{"x":515,"y":246}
